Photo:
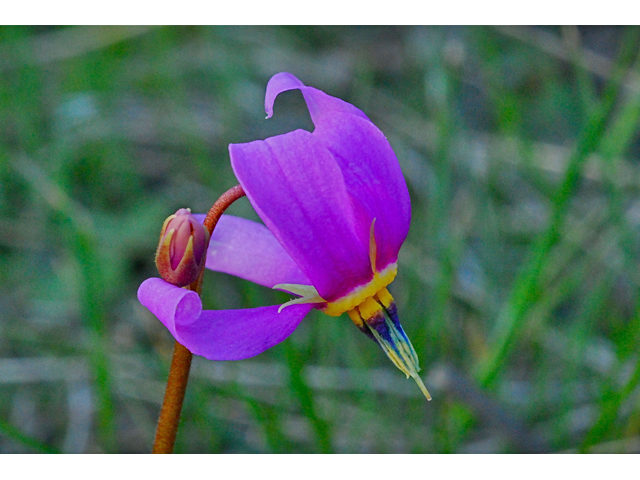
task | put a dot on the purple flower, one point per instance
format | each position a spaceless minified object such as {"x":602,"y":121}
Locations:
{"x":336,"y":210}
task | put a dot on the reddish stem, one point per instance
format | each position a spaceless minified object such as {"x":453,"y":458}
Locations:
{"x":181,"y":361}
{"x":226,"y":199}
{"x":173,"y":398}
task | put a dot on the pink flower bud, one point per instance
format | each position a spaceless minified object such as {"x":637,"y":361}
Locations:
{"x":182,"y":249}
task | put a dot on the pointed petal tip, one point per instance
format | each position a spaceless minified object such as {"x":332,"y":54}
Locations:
{"x":280,"y":82}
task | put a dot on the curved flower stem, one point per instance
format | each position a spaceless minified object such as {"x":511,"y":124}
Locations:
{"x":181,"y":361}
{"x":225,"y":200}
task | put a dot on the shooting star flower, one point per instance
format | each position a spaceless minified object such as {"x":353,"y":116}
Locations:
{"x":336,"y":211}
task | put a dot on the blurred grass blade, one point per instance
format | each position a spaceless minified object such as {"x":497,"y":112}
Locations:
{"x":611,"y":402}
{"x":82,"y":241}
{"x":526,"y":288}
{"x":305,"y":397}
{"x":15,"y":434}
{"x":70,"y":42}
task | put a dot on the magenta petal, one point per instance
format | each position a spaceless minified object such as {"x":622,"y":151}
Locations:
{"x":280,"y":82}
{"x":249,"y":250}
{"x":239,"y":334}
{"x":218,"y":334}
{"x":173,"y":306}
{"x":371,"y":171}
{"x":297,"y":189}
{"x":318,"y":102}
{"x":373,"y":177}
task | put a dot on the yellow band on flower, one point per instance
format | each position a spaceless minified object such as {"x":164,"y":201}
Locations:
{"x":360,"y":294}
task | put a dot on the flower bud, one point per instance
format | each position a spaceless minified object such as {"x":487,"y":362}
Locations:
{"x":182,"y":249}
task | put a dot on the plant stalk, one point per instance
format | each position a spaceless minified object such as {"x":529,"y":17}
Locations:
{"x":181,"y":361}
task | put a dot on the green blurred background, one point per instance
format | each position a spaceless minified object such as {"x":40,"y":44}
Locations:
{"x":518,"y":283}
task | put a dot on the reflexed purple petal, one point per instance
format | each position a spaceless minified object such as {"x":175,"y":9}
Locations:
{"x":280,"y":82}
{"x":370,"y":168}
{"x":239,"y":334}
{"x":218,"y":334}
{"x":249,"y":250}
{"x":297,"y":188}
{"x":172,"y":305}
{"x":318,"y":102}
{"x":373,"y":178}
